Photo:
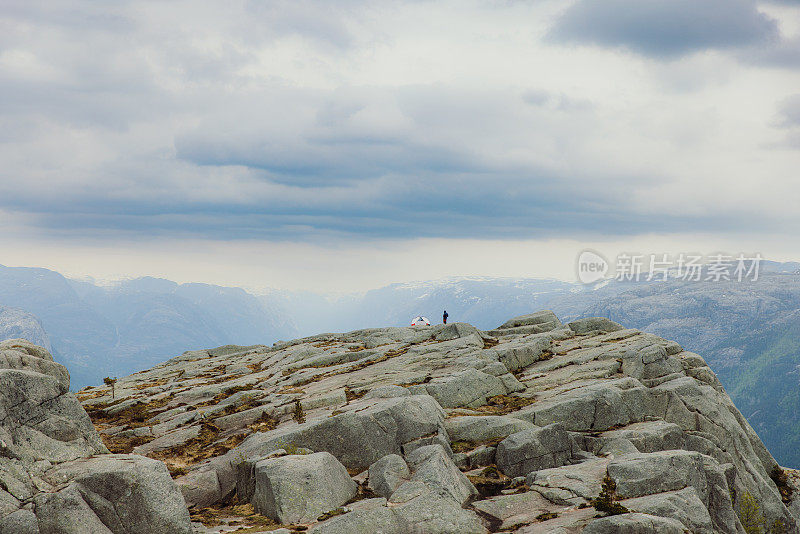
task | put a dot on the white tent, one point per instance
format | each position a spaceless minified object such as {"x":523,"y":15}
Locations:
{"x":419,"y":320}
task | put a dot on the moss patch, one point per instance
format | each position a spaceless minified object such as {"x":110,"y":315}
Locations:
{"x":241,"y":515}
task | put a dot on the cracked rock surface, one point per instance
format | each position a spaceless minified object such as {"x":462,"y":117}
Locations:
{"x":450,"y":429}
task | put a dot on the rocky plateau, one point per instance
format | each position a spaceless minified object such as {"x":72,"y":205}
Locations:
{"x":535,"y":426}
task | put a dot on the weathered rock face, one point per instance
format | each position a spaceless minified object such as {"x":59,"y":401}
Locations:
{"x":56,"y":476}
{"x":534,"y":450}
{"x":299,"y":488}
{"x":450,"y":429}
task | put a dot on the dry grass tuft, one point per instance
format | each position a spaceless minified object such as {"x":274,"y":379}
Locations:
{"x":206,"y":445}
{"x":504,"y":404}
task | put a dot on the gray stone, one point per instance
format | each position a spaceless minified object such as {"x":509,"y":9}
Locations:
{"x":19,"y":522}
{"x":387,"y":474}
{"x":615,"y":446}
{"x":515,"y":510}
{"x":127,"y":493}
{"x":649,"y":436}
{"x":297,"y":489}
{"x":541,"y":317}
{"x":480,"y":428}
{"x":380,"y":520}
{"x":569,"y":485}
{"x":494,"y":369}
{"x":511,"y":383}
{"x":408,"y":491}
{"x":468,"y":388}
{"x":455,"y":331}
{"x":23,"y":355}
{"x":521,"y":353}
{"x":387,"y":392}
{"x":369,"y":430}
{"x":634,"y":524}
{"x":433,"y":513}
{"x":642,"y":474}
{"x":65,"y":512}
{"x":591,"y":324}
{"x":481,"y":456}
{"x":433,"y":467}
{"x":439,"y":438}
{"x":534,"y":449}
{"x":42,"y":420}
{"x":367,"y":504}
{"x":682,"y":505}
{"x":177,"y":437}
{"x":651,"y":364}
{"x":596,"y":406}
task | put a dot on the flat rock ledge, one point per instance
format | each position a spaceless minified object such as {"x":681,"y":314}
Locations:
{"x":535,"y":426}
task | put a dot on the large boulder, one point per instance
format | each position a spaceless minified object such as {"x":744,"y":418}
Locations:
{"x":469,"y":388}
{"x":592,"y":324}
{"x":388,"y":474}
{"x":596,"y":406}
{"x":39,"y":418}
{"x":648,"y":436}
{"x":641,"y":474}
{"x":369,"y":430}
{"x":682,"y":505}
{"x":538,"y":318}
{"x":116,"y":493}
{"x":651,"y":364}
{"x":477,"y":428}
{"x":299,"y":488}
{"x":433,"y":467}
{"x":569,"y":485}
{"x":429,"y":512}
{"x":56,"y":474}
{"x":634,"y":524}
{"x":380,"y":520}
{"x":534,"y":449}
{"x":522,"y":353}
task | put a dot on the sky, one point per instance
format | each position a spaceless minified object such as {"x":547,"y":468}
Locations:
{"x":344,"y":145}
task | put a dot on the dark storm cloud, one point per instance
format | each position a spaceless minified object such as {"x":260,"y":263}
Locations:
{"x":664,"y":29}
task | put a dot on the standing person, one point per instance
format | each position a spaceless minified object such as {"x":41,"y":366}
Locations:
{"x":444,"y":317}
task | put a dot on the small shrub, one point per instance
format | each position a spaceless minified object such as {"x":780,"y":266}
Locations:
{"x":606,"y":501}
{"x":298,"y":414}
{"x":110,"y":382}
{"x":546,"y":516}
{"x":781,"y":480}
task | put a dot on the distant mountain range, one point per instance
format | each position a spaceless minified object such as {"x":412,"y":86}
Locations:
{"x":99,"y":331}
{"x":748,"y":332}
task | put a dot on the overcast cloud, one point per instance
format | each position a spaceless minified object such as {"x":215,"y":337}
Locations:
{"x":330,"y":124}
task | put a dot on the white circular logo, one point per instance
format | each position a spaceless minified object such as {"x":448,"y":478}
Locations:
{"x":591,"y":266}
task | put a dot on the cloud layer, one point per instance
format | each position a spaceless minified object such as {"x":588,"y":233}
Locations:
{"x":315,"y":121}
{"x":666,"y":28}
